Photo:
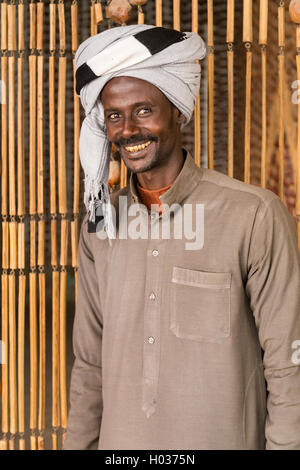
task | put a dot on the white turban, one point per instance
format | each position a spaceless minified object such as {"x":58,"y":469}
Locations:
{"x":164,"y":57}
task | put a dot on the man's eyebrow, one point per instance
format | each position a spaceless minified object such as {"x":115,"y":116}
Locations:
{"x":136,"y":105}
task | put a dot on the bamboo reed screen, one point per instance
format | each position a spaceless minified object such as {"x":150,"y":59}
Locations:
{"x":245,"y":124}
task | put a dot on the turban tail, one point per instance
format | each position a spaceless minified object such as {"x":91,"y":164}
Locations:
{"x":165,"y":58}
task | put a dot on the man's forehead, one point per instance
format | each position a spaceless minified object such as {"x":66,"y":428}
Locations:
{"x":122,"y":86}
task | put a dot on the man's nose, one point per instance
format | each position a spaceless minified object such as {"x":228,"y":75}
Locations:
{"x":129,"y":128}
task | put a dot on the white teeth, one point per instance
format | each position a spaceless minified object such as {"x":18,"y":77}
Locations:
{"x":136,"y":148}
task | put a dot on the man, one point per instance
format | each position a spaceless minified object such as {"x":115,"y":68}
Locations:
{"x":178,"y":344}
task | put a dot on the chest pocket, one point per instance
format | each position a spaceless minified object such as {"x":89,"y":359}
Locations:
{"x":200,"y":304}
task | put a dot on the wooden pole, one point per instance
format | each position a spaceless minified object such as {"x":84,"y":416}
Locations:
{"x":247,"y":39}
{"x":41,"y":226}
{"x":12,"y":47}
{"x":176,"y":14}
{"x":197,"y":118}
{"x":74,"y":223}
{"x":97,"y":9}
{"x":62,"y":202}
{"x":21,"y":229}
{"x":5,"y":234}
{"x":210,"y":67}
{"x":93,"y":18}
{"x":53,"y":215}
{"x":281,"y":45}
{"x":294,"y":10}
{"x":32,"y":212}
{"x":158,"y":13}
{"x":230,"y":78}
{"x":263,"y":37}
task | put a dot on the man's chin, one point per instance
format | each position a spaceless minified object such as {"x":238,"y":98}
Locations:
{"x":140,"y":166}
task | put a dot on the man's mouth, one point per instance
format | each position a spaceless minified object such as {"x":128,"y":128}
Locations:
{"x":137,"y":147}
{"x":136,"y":151}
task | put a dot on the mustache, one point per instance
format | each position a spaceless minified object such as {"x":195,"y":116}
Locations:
{"x":134,"y":140}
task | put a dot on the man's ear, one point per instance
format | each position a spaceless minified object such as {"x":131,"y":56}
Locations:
{"x":180,"y":118}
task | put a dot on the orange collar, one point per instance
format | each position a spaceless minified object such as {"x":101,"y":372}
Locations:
{"x":151,"y":196}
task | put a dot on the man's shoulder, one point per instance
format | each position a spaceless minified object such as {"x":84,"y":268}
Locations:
{"x":234,"y":188}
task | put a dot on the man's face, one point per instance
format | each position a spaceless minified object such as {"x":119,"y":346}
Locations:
{"x":141,"y":122}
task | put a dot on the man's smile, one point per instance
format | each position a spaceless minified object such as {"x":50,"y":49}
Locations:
{"x":136,"y":151}
{"x":136,"y":148}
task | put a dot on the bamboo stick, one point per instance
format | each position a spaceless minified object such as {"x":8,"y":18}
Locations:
{"x":4,"y":334}
{"x":62,"y":192}
{"x":32,"y":61}
{"x":11,"y":29}
{"x":298,"y":138}
{"x":98,"y":12}
{"x":281,"y":44}
{"x":32,"y":133}
{"x":61,"y":148}
{"x":247,"y":21}
{"x":21,"y":229}
{"x":230,"y":144}
{"x":158,"y":13}
{"x":12,"y":360}
{"x":4,"y":109}
{"x":42,"y":347}
{"x":74,"y":25}
{"x":176,"y":14}
{"x":11,"y":134}
{"x":55,"y":350}
{"x":39,"y":25}
{"x":55,"y":273}
{"x":123,"y":178}
{"x":248,"y":116}
{"x":12,"y":333}
{"x":5,"y":235}
{"x":247,"y":39}
{"x":230,"y":79}
{"x":21,"y":161}
{"x":74,"y":245}
{"x":93,"y":18}
{"x":41,"y":227}
{"x":21,"y":332}
{"x":263,"y":22}
{"x":33,"y":351}
{"x":32,"y":25}
{"x":62,"y":27}
{"x":263,"y":36}
{"x":52,"y":25}
{"x":141,"y":16}
{"x":230,"y":21}
{"x":40,"y":143}
{"x":52,"y":136}
{"x":74,"y":223}
{"x":62,"y":324}
{"x":197,"y":121}
{"x":195,"y":16}
{"x":12,"y":46}
{"x":295,"y":17}
{"x":211,"y":73}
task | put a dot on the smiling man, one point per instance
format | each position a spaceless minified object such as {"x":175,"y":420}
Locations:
{"x":145,"y":127}
{"x":176,"y":347}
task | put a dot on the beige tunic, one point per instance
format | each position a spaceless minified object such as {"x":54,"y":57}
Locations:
{"x":176,"y":348}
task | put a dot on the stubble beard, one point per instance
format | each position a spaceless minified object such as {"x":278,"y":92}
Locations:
{"x":149,"y":166}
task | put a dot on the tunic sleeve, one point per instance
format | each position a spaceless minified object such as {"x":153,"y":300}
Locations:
{"x":86,"y":403}
{"x":273,"y":286}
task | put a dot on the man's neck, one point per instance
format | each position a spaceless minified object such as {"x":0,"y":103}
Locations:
{"x":161,"y":177}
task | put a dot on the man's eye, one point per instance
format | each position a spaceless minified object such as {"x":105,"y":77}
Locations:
{"x":143,"y":111}
{"x":113,"y":116}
